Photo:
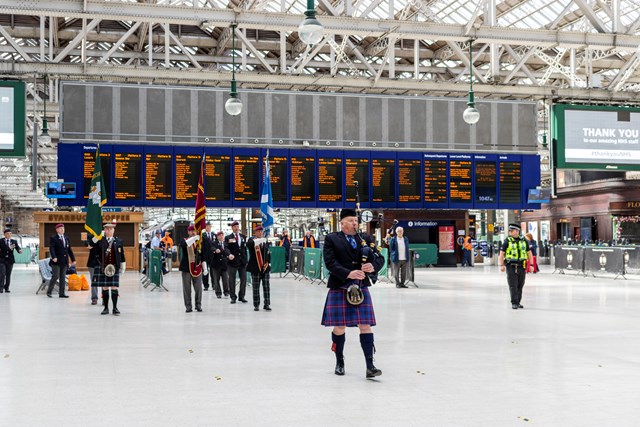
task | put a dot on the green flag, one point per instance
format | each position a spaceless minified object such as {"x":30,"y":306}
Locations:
{"x":97,"y":198}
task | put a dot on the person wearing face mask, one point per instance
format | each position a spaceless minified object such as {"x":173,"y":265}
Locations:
{"x":352,"y":259}
{"x":62,"y":257}
{"x":111,"y":264}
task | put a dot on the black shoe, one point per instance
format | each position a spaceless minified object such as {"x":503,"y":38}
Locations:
{"x":256,"y":309}
{"x":188,"y":310}
{"x":49,"y":295}
{"x":219,"y":296}
{"x":7,"y":291}
{"x":1,"y":291}
{"x":199,"y":309}
{"x":339,"y":368}
{"x":514,"y":306}
{"x":205,"y":289}
{"x":116,"y":311}
{"x":373,"y":372}
{"x":520,"y":306}
{"x":105,"y":311}
{"x":401,"y":286}
{"x":233,"y":300}
{"x":267,"y":308}
{"x":226,"y":294}
{"x":64,"y":296}
{"x":243,"y":300}
{"x":94,"y":302}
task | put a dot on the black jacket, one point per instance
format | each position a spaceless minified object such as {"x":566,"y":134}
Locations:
{"x":92,"y":259}
{"x":207,"y":247}
{"x":184,"y":260}
{"x":100,"y":252}
{"x":6,"y":253}
{"x":62,"y":252}
{"x":238,"y":251}
{"x":252,"y":267}
{"x":219,"y":260}
{"x":340,"y":258}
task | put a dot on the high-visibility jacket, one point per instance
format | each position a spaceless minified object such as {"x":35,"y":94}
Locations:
{"x":467,"y":243}
{"x":516,"y":251}
{"x":309,"y":242}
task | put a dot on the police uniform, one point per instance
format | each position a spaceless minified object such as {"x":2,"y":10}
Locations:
{"x":515,"y":252}
{"x":109,"y":252}
{"x":342,"y":254}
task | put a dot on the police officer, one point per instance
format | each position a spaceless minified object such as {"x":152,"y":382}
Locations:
{"x":514,"y":254}
{"x":343,"y":252}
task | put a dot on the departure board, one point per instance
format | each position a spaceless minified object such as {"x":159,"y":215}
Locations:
{"x":217,"y":178}
{"x":158,"y":176}
{"x":279,"y":178}
{"x":409,"y":180}
{"x":330,"y":179}
{"x":435,"y":179}
{"x":187,"y":175}
{"x":303,"y":180}
{"x":89,"y":165}
{"x":460,"y":182}
{"x":128,"y":176}
{"x":383,"y":174}
{"x":246,"y":175}
{"x":510,"y":192}
{"x":486,"y":182}
{"x":357,"y":170}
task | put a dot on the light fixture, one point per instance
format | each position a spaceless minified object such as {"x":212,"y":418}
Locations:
{"x":471,"y":115}
{"x":44,"y":136}
{"x":233,"y":106}
{"x":310,"y":30}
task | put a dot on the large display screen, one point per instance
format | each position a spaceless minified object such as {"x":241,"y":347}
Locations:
{"x":606,"y":138}
{"x":165,"y":176}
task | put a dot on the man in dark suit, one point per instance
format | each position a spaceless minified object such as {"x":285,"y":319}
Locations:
{"x":7,"y":245}
{"x":219,"y":264}
{"x":61,"y":258}
{"x":259,"y":267}
{"x":236,"y":242}
{"x":352,"y":259}
{"x":207,"y":255}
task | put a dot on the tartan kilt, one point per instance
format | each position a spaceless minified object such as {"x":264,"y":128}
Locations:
{"x":100,"y":280}
{"x":338,"y":312}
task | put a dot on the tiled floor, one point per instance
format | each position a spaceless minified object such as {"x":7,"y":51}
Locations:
{"x":453,"y":353}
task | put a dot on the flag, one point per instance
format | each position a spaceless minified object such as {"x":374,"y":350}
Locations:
{"x":97,"y":198}
{"x":200,"y":221}
{"x":266,"y":201}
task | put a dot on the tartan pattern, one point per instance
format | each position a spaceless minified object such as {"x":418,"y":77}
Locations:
{"x":100,"y":280}
{"x":266,"y":289}
{"x":338,"y":312}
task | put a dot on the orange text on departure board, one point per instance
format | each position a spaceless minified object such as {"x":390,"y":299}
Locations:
{"x":158,"y":176}
{"x":128,"y":185}
{"x":408,"y":176}
{"x":329,"y":179}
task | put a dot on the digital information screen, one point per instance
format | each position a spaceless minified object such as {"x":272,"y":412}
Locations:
{"x":383,"y":174}
{"x":357,"y":170}
{"x":510,"y":188}
{"x":89,"y":165}
{"x":435,"y":179}
{"x":460,"y":182}
{"x":486,"y":182}
{"x":158,"y":176}
{"x":330,"y":179}
{"x":217,"y":178}
{"x":409,"y":180}
{"x":245,"y":181}
{"x":303,"y":172}
{"x":279,"y":178}
{"x":7,"y":131}
{"x":128,"y":176}
{"x":187,"y":175}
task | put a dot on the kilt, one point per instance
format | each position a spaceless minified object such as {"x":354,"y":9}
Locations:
{"x":100,"y":280}
{"x":338,"y":312}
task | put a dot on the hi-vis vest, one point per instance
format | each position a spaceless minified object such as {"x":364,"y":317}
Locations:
{"x":516,"y":251}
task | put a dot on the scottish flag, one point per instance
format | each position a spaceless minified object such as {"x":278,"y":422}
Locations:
{"x":266,"y":201}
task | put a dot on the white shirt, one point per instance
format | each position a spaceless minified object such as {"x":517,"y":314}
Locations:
{"x":402,"y":251}
{"x":155,"y":243}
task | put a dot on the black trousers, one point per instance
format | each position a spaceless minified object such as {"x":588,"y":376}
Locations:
{"x":516,"y":274}
{"x":242,"y":272}
{"x":5,"y":275}
{"x":206,"y":279}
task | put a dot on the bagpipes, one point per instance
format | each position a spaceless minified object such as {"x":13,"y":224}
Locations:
{"x":262,"y":265}
{"x":354,"y":291}
{"x":195,"y":267}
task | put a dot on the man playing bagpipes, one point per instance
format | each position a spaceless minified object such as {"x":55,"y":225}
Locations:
{"x":259,"y":266}
{"x":353,"y":261}
{"x":108,"y":266}
{"x":191,"y":267}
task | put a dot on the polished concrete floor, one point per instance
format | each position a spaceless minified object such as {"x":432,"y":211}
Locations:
{"x":452,"y":352}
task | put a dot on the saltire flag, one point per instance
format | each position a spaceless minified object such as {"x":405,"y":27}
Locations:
{"x":97,"y":198}
{"x":200,"y":221}
{"x":266,"y":201}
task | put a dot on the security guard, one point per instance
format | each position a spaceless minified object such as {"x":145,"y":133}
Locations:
{"x":513,"y":257}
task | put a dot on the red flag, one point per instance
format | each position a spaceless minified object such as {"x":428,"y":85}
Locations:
{"x":200,"y":221}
